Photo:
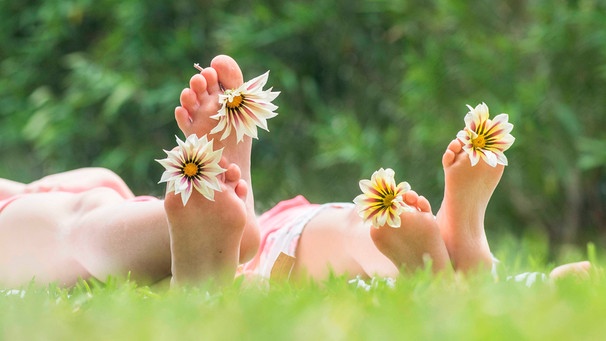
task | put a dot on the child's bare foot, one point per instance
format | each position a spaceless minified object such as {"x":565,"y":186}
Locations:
{"x":578,"y":269}
{"x":416,"y":240}
{"x":205,"y":235}
{"x":461,"y":217}
{"x":198,"y":103}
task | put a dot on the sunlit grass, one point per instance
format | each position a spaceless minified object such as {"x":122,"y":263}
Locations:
{"x":417,"y":307}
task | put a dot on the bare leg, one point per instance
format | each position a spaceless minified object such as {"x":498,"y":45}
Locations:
{"x":198,"y":103}
{"x":83,"y":235}
{"x":228,"y":234}
{"x":337,"y":240}
{"x":98,"y":233}
{"x":461,"y":216}
{"x":60,"y":237}
{"x":121,"y":238}
{"x":201,"y":241}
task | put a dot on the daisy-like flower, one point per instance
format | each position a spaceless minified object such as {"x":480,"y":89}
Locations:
{"x":193,"y":164}
{"x":381,"y":201}
{"x":485,"y":138}
{"x":246,"y":108}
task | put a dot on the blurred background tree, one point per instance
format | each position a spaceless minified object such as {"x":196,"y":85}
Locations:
{"x":365,"y":84}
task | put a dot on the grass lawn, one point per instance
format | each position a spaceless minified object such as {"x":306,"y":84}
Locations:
{"x":417,"y":307}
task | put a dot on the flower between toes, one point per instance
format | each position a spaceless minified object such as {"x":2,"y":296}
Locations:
{"x":486,"y":139}
{"x":245,"y":108}
{"x":381,"y":201}
{"x":193,"y":164}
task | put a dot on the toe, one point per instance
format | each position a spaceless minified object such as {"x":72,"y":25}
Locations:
{"x":455,"y":146}
{"x":241,"y":189}
{"x":212,"y":80}
{"x":410,"y":198}
{"x":183,"y":119}
{"x":448,"y":158}
{"x":413,"y":199}
{"x":232,"y":173}
{"x":198,"y":84}
{"x":189,"y":100}
{"x":228,"y":70}
{"x":423,"y":204}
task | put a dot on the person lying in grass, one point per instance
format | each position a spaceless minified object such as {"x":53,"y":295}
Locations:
{"x":87,"y":222}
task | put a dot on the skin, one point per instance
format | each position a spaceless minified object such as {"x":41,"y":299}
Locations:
{"x":467,"y":191}
{"x":85,"y":223}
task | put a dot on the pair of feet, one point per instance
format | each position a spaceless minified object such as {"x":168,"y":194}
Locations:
{"x":210,"y":238}
{"x":455,"y":236}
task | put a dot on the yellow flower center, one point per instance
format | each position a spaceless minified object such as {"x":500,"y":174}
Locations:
{"x":190,"y":169}
{"x":479,"y":142}
{"x":235,"y":102}
{"x":388,"y":200}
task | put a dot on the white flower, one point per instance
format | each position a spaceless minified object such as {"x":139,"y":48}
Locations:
{"x":193,"y":164}
{"x":381,"y":201}
{"x":485,"y":138}
{"x":245,"y":108}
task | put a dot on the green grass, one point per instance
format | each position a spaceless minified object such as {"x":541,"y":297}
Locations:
{"x":418,"y":307}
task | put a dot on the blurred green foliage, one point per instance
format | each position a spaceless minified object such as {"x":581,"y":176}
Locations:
{"x":365,"y":84}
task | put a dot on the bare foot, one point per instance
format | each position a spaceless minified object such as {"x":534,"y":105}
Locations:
{"x":578,"y":269}
{"x":461,"y":217}
{"x":417,"y":240}
{"x":205,"y":235}
{"x":198,"y":103}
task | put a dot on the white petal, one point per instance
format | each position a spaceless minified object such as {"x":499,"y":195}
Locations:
{"x":501,"y":159}
{"x":474,"y":157}
{"x":185,"y":197}
{"x":396,"y":222}
{"x":380,"y":220}
{"x":489,"y":157}
{"x":256,"y":83}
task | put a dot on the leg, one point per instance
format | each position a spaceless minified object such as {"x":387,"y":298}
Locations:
{"x":461,"y":216}
{"x":198,"y":103}
{"x":229,"y":236}
{"x":98,"y":233}
{"x":122,"y":238}
{"x":69,"y":236}
{"x":337,"y":240}
{"x":155,"y":239}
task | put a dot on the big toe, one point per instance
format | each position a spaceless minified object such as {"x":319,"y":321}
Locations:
{"x":228,"y":71}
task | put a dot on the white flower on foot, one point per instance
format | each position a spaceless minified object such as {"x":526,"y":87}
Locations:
{"x":193,"y":164}
{"x":484,"y":138}
{"x":245,"y":108}
{"x":381,"y":201}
